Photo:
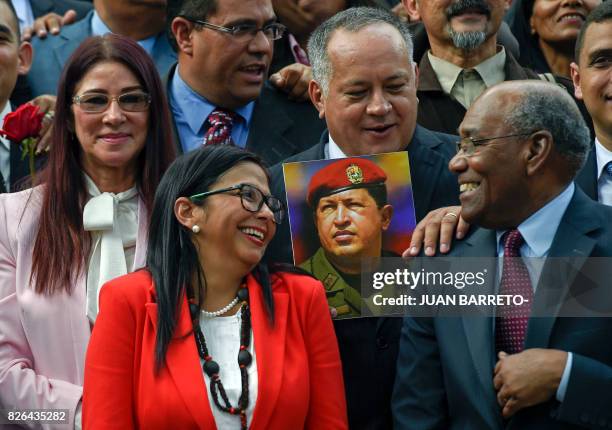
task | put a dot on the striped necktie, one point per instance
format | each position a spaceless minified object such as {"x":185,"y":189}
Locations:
{"x":220,"y":127}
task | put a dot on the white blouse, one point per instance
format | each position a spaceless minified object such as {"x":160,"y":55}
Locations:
{"x":222,"y":335}
{"x":112,"y":220}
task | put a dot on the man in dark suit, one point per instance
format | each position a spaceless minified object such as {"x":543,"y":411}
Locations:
{"x":365,"y":88}
{"x":15,"y":60}
{"x":591,"y":76}
{"x":220,"y":82}
{"x":141,"y":21}
{"x":523,"y":143}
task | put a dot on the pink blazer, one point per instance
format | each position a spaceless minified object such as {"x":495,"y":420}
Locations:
{"x":43,"y":338}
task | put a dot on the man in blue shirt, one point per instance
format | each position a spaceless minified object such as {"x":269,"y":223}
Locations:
{"x":224,"y":52}
{"x":522,"y":144}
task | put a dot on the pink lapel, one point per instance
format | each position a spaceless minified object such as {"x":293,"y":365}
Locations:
{"x":270,"y":342}
{"x":183,"y":362}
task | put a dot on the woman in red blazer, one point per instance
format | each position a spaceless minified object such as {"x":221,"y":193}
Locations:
{"x":208,"y":336}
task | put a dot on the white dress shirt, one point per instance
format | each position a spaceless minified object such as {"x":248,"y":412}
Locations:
{"x":604,"y":181}
{"x":333,"y":151}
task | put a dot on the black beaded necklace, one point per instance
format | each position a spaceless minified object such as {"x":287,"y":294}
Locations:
{"x":211,"y":367}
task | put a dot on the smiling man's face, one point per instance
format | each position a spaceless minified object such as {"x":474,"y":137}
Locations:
{"x":370,"y":106}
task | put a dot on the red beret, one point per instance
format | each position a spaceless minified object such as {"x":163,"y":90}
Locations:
{"x":344,"y":174}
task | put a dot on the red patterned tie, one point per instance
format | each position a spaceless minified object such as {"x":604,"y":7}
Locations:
{"x":511,"y":322}
{"x":220,"y":127}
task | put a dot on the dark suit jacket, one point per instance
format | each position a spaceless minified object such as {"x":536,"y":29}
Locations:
{"x":279,"y":127}
{"x":445,"y":365}
{"x":51,"y":54}
{"x":43,"y":7}
{"x":439,"y":112}
{"x":368,"y":346}
{"x":587,"y":177}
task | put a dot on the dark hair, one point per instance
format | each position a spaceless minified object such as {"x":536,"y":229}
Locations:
{"x":14,"y":18}
{"x":172,"y":257}
{"x":601,"y":13}
{"x":197,"y":9}
{"x":353,"y":20}
{"x":61,"y":243}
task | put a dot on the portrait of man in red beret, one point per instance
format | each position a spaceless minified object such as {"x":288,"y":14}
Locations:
{"x":351,"y":211}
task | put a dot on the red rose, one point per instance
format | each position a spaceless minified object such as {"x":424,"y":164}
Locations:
{"x":25,"y":122}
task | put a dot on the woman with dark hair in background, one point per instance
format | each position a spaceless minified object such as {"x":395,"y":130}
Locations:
{"x":547,"y":30}
{"x":207,"y":336}
{"x":83,"y":225}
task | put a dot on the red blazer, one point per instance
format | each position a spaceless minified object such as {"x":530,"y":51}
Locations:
{"x":299,"y":372}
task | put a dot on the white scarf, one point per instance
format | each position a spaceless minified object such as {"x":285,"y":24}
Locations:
{"x":113,"y":220}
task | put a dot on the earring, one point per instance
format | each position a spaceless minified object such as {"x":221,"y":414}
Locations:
{"x":195,"y":228}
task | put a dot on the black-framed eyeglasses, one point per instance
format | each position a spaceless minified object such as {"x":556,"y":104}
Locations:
{"x":245,"y":32}
{"x":252,"y":199}
{"x":131,"y":101}
{"x":468,"y":145}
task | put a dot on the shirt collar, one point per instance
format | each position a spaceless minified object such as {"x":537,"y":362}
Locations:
{"x":196,"y":108}
{"x":603,"y":156}
{"x":540,"y":228}
{"x":99,"y":28}
{"x":333,"y":150}
{"x":490,"y":70}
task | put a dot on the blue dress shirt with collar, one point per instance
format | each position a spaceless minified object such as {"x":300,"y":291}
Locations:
{"x":538,"y":231}
{"x":190,"y":111}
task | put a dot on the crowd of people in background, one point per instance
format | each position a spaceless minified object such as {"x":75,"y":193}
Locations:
{"x":146,"y":267}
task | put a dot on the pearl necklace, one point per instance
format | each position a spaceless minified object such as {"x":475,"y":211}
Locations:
{"x":221,"y":311}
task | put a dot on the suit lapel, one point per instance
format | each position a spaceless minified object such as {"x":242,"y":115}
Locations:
{"x":19,"y":167}
{"x":266,"y":132}
{"x":167,"y":82}
{"x":425,"y":168}
{"x":72,"y":36}
{"x":183,"y":363}
{"x":41,"y":7}
{"x":270,"y":342}
{"x":587,"y":177}
{"x":513,"y":70}
{"x":571,"y":241}
{"x":479,"y":330}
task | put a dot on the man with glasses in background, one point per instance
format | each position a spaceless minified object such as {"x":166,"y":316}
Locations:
{"x":219,"y":92}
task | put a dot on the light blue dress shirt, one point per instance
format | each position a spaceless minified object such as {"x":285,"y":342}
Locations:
{"x":99,"y":28}
{"x":190,"y":111}
{"x":24,"y":13}
{"x":538,"y":231}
